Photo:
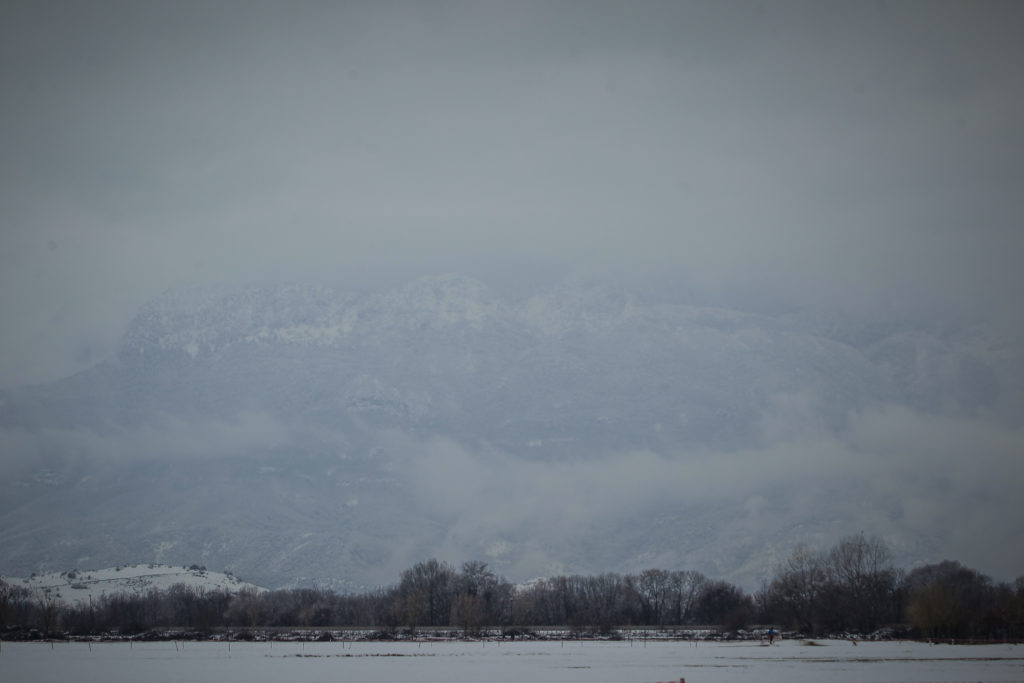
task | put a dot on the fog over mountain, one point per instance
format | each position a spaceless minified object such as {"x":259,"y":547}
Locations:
{"x":298,"y":434}
{"x":723,"y":277}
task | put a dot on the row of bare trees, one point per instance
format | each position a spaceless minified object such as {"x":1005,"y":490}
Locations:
{"x":854,"y":587}
{"x":851,"y":588}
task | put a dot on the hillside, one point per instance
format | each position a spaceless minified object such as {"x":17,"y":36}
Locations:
{"x":84,"y":585}
{"x":301,"y":435}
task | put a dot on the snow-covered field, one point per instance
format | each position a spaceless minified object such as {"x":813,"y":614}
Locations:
{"x":536,"y":662}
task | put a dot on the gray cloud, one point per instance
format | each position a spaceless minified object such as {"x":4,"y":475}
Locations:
{"x":898,"y":473}
{"x":935,"y":485}
{"x":853,"y":156}
{"x":166,"y":437}
{"x":856,"y":155}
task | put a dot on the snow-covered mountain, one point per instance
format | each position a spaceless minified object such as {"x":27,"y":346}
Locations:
{"x":300,"y":435}
{"x":80,"y":586}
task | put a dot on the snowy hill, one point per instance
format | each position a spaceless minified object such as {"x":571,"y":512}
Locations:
{"x":300,"y":435}
{"x":82,"y":585}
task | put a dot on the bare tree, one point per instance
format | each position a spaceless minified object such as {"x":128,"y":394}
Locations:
{"x":797,"y":589}
{"x":654,"y":588}
{"x":722,"y":603}
{"x":862,"y":582}
{"x":685,"y":586}
{"x":949,"y":599}
{"x":47,"y":613}
{"x":6,"y":598}
{"x":468,"y":613}
{"x":430,"y":583}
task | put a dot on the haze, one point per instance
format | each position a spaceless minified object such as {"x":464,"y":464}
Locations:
{"x":857,"y":158}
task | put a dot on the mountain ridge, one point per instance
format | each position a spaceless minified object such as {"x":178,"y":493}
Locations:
{"x":294,"y":433}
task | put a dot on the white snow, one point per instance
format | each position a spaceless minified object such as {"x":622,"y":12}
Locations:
{"x":78,"y":586}
{"x":571,"y":661}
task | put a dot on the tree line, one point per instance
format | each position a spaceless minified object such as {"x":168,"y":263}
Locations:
{"x":851,"y":588}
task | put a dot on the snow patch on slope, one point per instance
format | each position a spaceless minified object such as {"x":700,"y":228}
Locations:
{"x":82,"y":585}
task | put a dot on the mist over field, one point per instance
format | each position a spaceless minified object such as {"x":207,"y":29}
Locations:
{"x":313,"y":292}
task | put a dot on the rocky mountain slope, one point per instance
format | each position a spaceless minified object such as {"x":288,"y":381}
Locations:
{"x":301,"y":435}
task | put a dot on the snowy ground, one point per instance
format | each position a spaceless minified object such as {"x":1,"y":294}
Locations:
{"x":536,"y":662}
{"x":82,"y":585}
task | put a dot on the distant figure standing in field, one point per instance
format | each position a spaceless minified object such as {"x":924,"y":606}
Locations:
{"x":771,"y":635}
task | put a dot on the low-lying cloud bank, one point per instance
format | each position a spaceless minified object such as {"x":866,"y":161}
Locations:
{"x":933,"y":487}
{"x":912,"y":478}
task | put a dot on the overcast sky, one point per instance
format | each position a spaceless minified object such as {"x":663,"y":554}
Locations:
{"x":867,"y":155}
